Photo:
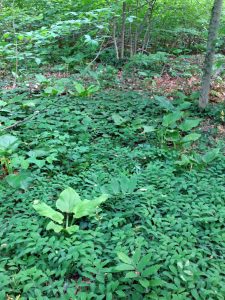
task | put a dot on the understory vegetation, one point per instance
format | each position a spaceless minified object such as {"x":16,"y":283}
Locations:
{"x":111,"y":177}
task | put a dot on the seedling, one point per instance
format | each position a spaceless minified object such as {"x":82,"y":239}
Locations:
{"x":71,"y":208}
{"x":83,"y":91}
{"x":8,"y":145}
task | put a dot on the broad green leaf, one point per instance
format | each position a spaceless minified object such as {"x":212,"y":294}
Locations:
{"x":115,"y":186}
{"x":124,"y":183}
{"x":72,"y":229}
{"x":172,"y":118}
{"x":79,"y":87}
{"x":38,"y":162}
{"x":211,"y":155}
{"x":68,"y":200}
{"x":88,"y":207}
{"x":37,"y":153}
{"x":185,"y":105}
{"x":132,"y":184}
{"x":144,"y":262}
{"x":3,"y":103}
{"x":19,"y":181}
{"x":124,"y":258}
{"x":189,"y":124}
{"x":137,"y":255}
{"x":52,"y":226}
{"x":131,"y":275}
{"x":93,"y":89}
{"x":29,"y":103}
{"x":185,"y":160}
{"x":155,"y":282}
{"x":121,"y":294}
{"x":195,"y":294}
{"x":118,"y":120}
{"x":8,"y":142}
{"x":164,"y":103}
{"x":46,"y":211}
{"x":148,"y":129}
{"x":37,"y":60}
{"x":41,"y":78}
{"x":53,"y":91}
{"x":192,"y":137}
{"x":150,"y":270}
{"x":124,"y":267}
{"x":173,"y":136}
{"x":144,"y":283}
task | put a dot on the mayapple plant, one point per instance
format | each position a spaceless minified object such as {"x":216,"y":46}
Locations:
{"x":71,"y":207}
{"x":8,"y":145}
{"x":83,"y":91}
{"x":176,"y":130}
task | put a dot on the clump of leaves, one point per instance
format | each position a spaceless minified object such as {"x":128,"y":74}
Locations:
{"x":83,"y":91}
{"x":197,"y":160}
{"x":175,"y":129}
{"x":121,"y":185}
{"x":139,"y":271}
{"x":8,"y":145}
{"x":71,"y":208}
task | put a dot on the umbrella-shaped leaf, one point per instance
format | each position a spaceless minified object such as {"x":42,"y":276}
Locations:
{"x":189,"y":124}
{"x":211,"y":155}
{"x":8,"y":142}
{"x":19,"y":181}
{"x":118,"y":120}
{"x":172,"y":118}
{"x":148,"y":129}
{"x":46,"y":211}
{"x":88,"y":207}
{"x":68,"y":200}
{"x":72,"y":229}
{"x":192,"y":137}
{"x":52,"y":226}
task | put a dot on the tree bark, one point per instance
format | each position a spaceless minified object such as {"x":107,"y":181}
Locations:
{"x":210,"y":53}
{"x":115,"y":39}
{"x":123,"y":30}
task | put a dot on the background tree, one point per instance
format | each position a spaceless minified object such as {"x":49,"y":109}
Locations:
{"x":211,"y":46}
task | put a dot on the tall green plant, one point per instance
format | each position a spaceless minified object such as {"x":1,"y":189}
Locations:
{"x":71,"y":208}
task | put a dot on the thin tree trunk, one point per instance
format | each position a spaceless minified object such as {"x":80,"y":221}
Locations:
{"x":131,"y":41}
{"x":146,"y":38}
{"x":123,"y":30}
{"x":210,"y":53}
{"x":135,"y":41}
{"x":147,"y":32}
{"x":114,"y":38}
{"x":136,"y":29}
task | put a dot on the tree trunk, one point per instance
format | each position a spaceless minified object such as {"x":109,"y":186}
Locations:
{"x":210,"y":53}
{"x":115,"y":39}
{"x":123,"y":30}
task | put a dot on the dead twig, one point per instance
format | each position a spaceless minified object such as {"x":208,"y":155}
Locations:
{"x":21,"y":122}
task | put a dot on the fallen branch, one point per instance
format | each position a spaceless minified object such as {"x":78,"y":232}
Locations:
{"x":20,"y":122}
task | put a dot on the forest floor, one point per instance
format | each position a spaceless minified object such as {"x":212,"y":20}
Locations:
{"x":165,"y":179}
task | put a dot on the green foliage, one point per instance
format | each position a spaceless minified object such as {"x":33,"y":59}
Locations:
{"x":8,"y":145}
{"x":175,"y":126}
{"x":140,"y":275}
{"x":69,"y":202}
{"x":152,"y":64}
{"x":21,"y":180}
{"x":161,"y":232}
{"x":197,"y":160}
{"x":157,"y":231}
{"x":83,"y":91}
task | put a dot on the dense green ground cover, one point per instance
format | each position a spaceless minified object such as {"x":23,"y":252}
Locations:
{"x":173,"y":214}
